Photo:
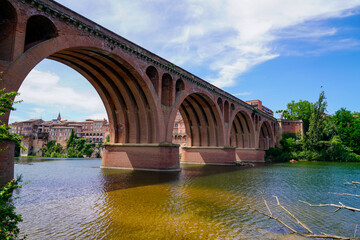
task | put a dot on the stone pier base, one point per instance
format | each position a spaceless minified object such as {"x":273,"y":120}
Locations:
{"x":155,"y":157}
{"x":208,"y":155}
{"x":250,"y":155}
{"x":7,"y":162}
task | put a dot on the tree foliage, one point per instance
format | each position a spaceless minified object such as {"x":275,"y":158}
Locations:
{"x":298,"y":111}
{"x":6,"y":105}
{"x":314,"y":134}
{"x":348,"y":127}
{"x":328,"y":138}
{"x":8,"y":218}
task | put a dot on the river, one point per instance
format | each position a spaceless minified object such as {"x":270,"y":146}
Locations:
{"x":75,"y":199}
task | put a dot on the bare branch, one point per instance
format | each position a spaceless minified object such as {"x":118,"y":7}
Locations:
{"x":341,"y":206}
{"x":352,"y":183}
{"x":355,"y":230}
{"x":281,"y":222}
{"x":267,"y":206}
{"x":324,"y":235}
{"x":292,"y":215}
{"x":345,"y":194}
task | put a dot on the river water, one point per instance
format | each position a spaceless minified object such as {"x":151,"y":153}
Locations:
{"x":75,"y":199}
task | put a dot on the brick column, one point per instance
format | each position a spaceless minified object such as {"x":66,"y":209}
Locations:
{"x":153,"y":157}
{"x":7,"y":162}
{"x":250,"y":155}
{"x":208,"y":155}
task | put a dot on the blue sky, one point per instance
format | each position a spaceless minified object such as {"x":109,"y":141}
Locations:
{"x":272,"y":50}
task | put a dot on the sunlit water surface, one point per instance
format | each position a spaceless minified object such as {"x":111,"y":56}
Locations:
{"x":75,"y":199}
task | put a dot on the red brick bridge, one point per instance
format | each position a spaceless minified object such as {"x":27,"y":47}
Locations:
{"x":141,"y":91}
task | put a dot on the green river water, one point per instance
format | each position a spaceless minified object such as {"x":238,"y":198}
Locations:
{"x":75,"y":199}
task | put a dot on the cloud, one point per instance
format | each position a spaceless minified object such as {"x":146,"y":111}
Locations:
{"x":223,"y":38}
{"x":243,"y":94}
{"x":44,"y":89}
{"x":99,"y":115}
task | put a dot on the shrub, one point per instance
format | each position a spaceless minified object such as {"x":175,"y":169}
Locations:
{"x":8,"y":217}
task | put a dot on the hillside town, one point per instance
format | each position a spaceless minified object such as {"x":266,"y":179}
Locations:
{"x":37,"y":132}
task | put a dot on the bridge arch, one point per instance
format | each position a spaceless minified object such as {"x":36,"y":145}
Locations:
{"x":266,"y":136}
{"x":127,"y":96}
{"x":38,"y":29}
{"x":202,"y":119}
{"x":242,"y":132}
{"x":8,"y":21}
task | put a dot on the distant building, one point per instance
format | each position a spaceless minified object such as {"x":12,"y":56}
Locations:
{"x":37,"y":132}
{"x":258,"y":105}
{"x":179,"y":135}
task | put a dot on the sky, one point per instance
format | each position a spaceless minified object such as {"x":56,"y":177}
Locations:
{"x":272,"y":50}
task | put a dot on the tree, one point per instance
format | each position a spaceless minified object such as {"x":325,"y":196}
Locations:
{"x":298,"y":111}
{"x":8,"y":217}
{"x":6,"y":105}
{"x":348,"y":127}
{"x":314,"y":134}
{"x":71,"y":139}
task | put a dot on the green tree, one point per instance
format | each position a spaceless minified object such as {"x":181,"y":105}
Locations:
{"x":71,"y":140}
{"x":348,"y":127}
{"x":298,"y":111}
{"x":8,"y":218}
{"x":6,"y":105}
{"x":315,"y":132}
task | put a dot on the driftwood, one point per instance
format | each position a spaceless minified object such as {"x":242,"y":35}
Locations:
{"x":345,"y":194}
{"x":352,"y":183}
{"x":309,"y":233}
{"x":341,"y":206}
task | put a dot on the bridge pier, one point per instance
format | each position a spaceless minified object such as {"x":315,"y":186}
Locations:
{"x":250,"y":155}
{"x":156,"y":157}
{"x":7,"y":162}
{"x":208,"y":155}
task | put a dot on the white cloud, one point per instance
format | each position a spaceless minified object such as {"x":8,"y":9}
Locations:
{"x":99,"y":115}
{"x":224,"y":37}
{"x":243,"y":94}
{"x":43,"y":89}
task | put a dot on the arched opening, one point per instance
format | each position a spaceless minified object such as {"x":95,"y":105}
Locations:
{"x":232,"y":109}
{"x":127,"y":100}
{"x":153,"y":75}
{"x":202,"y":121}
{"x":180,"y":86}
{"x":242,"y":133}
{"x":7,"y":30}
{"x":265,"y":136}
{"x":179,"y":133}
{"x":166,"y":90}
{"x":38,"y":29}
{"x":226,"y":111}
{"x":220,"y":104}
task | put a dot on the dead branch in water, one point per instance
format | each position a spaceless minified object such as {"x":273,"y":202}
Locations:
{"x":345,"y":194}
{"x":341,"y":206}
{"x":352,"y":183}
{"x":292,"y":215}
{"x":309,"y":234}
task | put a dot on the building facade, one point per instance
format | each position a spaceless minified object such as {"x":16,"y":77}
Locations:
{"x":179,"y":135}
{"x":37,"y":133}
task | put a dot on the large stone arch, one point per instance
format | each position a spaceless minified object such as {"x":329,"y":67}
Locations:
{"x":241,"y":131}
{"x":128,"y":99}
{"x":202,"y":118}
{"x":8,"y":22}
{"x":266,"y":136}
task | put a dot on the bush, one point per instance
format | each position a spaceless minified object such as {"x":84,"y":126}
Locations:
{"x":277,"y":155}
{"x":8,"y":217}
